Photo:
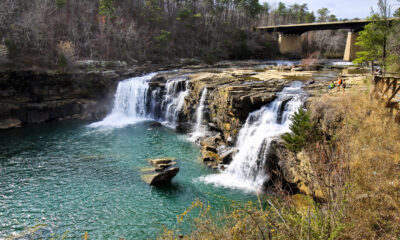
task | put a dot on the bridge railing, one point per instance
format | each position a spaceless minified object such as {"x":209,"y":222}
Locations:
{"x":387,"y":88}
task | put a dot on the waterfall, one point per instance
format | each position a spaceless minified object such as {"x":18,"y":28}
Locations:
{"x":200,"y":129}
{"x":134,"y":103}
{"x":129,"y":104}
{"x":173,"y":100}
{"x":246,"y":170}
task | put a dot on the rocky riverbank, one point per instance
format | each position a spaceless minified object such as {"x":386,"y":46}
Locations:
{"x":30,"y":97}
{"x":35,"y":96}
{"x":232,"y":94}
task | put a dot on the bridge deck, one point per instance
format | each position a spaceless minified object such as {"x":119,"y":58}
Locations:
{"x":352,"y":25}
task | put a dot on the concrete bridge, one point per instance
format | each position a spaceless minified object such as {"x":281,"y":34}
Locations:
{"x":290,"y":35}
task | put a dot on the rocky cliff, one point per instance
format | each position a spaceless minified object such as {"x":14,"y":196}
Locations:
{"x":232,"y":94}
{"x":35,"y":97}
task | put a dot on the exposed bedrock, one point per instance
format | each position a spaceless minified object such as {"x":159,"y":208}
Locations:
{"x":231,"y":96}
{"x":35,"y":97}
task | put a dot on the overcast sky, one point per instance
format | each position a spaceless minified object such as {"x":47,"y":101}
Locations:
{"x":341,"y":8}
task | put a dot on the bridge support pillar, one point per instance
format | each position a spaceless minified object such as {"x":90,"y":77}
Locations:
{"x":290,"y":44}
{"x":351,"y":47}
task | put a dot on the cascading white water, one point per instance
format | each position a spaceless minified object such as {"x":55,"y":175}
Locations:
{"x":200,"y":129}
{"x":129,"y":104}
{"x":174,"y":99}
{"x":133,"y":103}
{"x":246,"y":170}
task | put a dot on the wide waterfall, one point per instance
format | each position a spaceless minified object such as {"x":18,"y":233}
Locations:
{"x":134,"y":103}
{"x":130,"y":103}
{"x":246,"y":170}
{"x":200,"y":129}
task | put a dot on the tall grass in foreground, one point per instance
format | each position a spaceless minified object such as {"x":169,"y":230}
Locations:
{"x":357,"y":166}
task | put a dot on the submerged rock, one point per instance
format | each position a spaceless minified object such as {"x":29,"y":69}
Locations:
{"x":9,"y":123}
{"x":163,"y":171}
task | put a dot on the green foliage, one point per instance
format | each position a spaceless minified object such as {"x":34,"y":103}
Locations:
{"x":153,"y":12}
{"x":371,"y":40}
{"x":323,"y":15}
{"x":397,"y":13}
{"x":360,"y":175}
{"x":107,"y":8}
{"x":210,"y":58}
{"x":60,"y":3}
{"x":303,"y":131}
{"x":251,"y":7}
{"x":186,"y":14}
{"x":374,"y":40}
{"x":310,"y":17}
{"x":12,"y":47}
{"x":163,"y":37}
{"x":62,"y":62}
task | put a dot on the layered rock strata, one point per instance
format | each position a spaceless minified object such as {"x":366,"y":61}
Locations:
{"x":35,"y":97}
{"x":163,"y":171}
{"x":231,"y":95}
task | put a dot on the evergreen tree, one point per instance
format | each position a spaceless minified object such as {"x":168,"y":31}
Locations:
{"x":303,"y":131}
{"x":373,"y":40}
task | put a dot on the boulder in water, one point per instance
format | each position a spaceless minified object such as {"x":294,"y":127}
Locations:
{"x":163,"y":171}
{"x":157,"y":161}
{"x":160,"y":177}
{"x":10,"y":123}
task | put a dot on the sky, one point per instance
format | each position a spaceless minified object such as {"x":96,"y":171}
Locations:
{"x":341,"y":8}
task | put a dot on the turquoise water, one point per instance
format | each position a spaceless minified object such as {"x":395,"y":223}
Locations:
{"x":74,"y":178}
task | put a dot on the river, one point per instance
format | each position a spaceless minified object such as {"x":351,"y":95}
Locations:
{"x":74,"y":178}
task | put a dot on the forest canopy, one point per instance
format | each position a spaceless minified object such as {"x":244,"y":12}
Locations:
{"x":55,"y":32}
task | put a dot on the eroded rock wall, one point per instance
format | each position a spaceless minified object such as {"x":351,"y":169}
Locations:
{"x":35,"y":97}
{"x":232,"y":95}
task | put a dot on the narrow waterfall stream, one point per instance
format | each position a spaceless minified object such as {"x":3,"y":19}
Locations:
{"x":246,"y":170}
{"x":200,"y":129}
{"x":173,"y":100}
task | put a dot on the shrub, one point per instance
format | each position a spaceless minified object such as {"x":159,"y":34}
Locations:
{"x":62,"y":62}
{"x":303,"y":132}
{"x":12,"y":48}
{"x":359,"y":168}
{"x":60,"y":3}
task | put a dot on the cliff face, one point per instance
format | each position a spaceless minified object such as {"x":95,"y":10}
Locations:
{"x":232,"y":94}
{"x":31,"y":97}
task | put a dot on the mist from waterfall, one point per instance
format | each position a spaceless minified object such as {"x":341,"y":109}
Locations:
{"x":200,"y":129}
{"x":129,"y":104}
{"x":134,"y":103}
{"x":246,"y":170}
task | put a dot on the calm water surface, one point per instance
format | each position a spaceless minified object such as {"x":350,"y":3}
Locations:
{"x":74,"y":178}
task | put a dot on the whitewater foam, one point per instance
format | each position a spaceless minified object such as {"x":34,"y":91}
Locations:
{"x":129,"y":104}
{"x":247,"y":169}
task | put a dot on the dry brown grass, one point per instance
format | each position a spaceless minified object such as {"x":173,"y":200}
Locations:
{"x":372,"y":141}
{"x":359,"y":165}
